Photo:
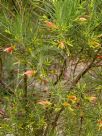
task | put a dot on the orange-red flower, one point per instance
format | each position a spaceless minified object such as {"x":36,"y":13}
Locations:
{"x":72,"y":97}
{"x":9,"y":49}
{"x":30,"y":73}
{"x":61,"y":45}
{"x":92,"y":99}
{"x":44,"y":102}
{"x":99,"y":57}
{"x":99,"y":124}
{"x":50,"y":24}
{"x":65,"y":104}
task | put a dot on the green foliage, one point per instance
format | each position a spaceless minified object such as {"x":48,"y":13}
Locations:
{"x":51,"y":67}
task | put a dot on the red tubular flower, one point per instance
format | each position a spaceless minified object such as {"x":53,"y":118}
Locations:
{"x":99,"y":124}
{"x":30,"y":73}
{"x":92,"y":99}
{"x":50,"y":24}
{"x":65,"y":104}
{"x":61,"y":45}
{"x":99,"y":57}
{"x":72,"y":98}
{"x":9,"y":49}
{"x":44,"y":102}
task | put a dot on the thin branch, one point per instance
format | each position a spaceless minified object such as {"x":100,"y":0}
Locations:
{"x":83,"y":72}
{"x":81,"y":124}
{"x":54,"y":123}
{"x":9,"y":90}
{"x":75,"y":67}
{"x":61,"y":72}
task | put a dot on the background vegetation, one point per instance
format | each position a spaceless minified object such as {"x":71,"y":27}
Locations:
{"x":51,"y":67}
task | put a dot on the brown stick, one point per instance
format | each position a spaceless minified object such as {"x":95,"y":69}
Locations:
{"x":62,"y":71}
{"x":25,"y":87}
{"x":1,"y":65}
{"x":54,"y":123}
{"x":81,"y":123}
{"x":83,"y":72}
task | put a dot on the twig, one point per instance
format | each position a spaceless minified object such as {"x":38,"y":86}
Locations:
{"x":81,"y":123}
{"x":83,"y":72}
{"x":25,"y":100}
{"x":54,"y":123}
{"x":9,"y":90}
{"x":81,"y":116}
{"x":75,"y":66}
{"x":62,"y":71}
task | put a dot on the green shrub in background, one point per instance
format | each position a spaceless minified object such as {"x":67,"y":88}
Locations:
{"x":50,"y":67}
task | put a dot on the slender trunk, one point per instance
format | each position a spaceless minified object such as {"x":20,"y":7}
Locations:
{"x":1,"y":68}
{"x":25,"y":101}
{"x":25,"y":86}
